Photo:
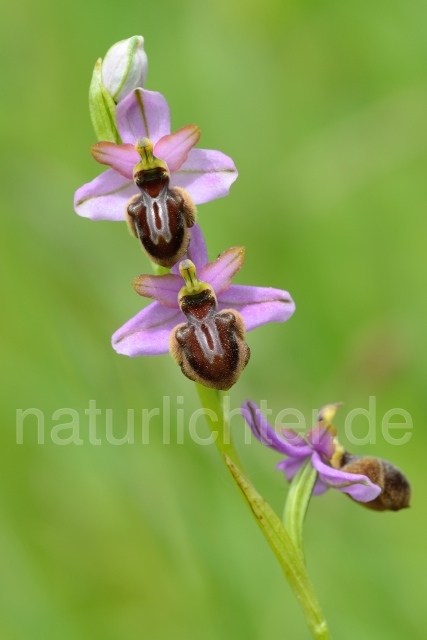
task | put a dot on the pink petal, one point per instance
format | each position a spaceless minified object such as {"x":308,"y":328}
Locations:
{"x":320,"y":487}
{"x":290,"y":467}
{"x":147,"y":333}
{"x":293,"y":437}
{"x":258,"y":305}
{"x":206,"y":175}
{"x":121,"y":157}
{"x":267,"y":435}
{"x":164,"y":288}
{"x":143,"y":114}
{"x":321,"y":439}
{"x":356,"y":485}
{"x":197,"y":251}
{"x":174,"y":148}
{"x":105,"y":197}
{"x":219,"y":273}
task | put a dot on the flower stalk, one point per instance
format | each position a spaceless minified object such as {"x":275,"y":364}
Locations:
{"x":286,"y":551}
{"x":212,"y":402}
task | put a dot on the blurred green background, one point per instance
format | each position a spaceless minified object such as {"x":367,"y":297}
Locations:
{"x":323,"y":108}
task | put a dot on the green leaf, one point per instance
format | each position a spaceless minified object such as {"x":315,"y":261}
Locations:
{"x":298,"y":500}
{"x":102,"y":108}
{"x":287,"y":553}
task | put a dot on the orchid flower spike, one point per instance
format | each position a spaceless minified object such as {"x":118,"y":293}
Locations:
{"x":376,"y":483}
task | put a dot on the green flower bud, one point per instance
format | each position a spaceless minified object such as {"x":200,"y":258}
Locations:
{"x":124,"y":67}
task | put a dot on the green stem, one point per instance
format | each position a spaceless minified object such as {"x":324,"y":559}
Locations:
{"x":297,"y":501}
{"x":288,"y":554}
{"x":211,"y":401}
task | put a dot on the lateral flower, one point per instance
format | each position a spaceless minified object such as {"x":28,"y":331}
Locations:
{"x":372,"y":481}
{"x":148,"y":332}
{"x":204,"y":173}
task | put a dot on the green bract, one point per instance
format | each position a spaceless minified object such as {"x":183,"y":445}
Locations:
{"x":102,"y":108}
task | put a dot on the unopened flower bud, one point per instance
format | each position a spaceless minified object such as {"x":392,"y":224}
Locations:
{"x":395,"y":488}
{"x":124,"y":67}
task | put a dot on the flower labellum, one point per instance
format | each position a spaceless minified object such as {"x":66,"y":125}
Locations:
{"x":124,"y":67}
{"x":210,"y":347}
{"x":396,"y":490}
{"x":160,"y":217}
